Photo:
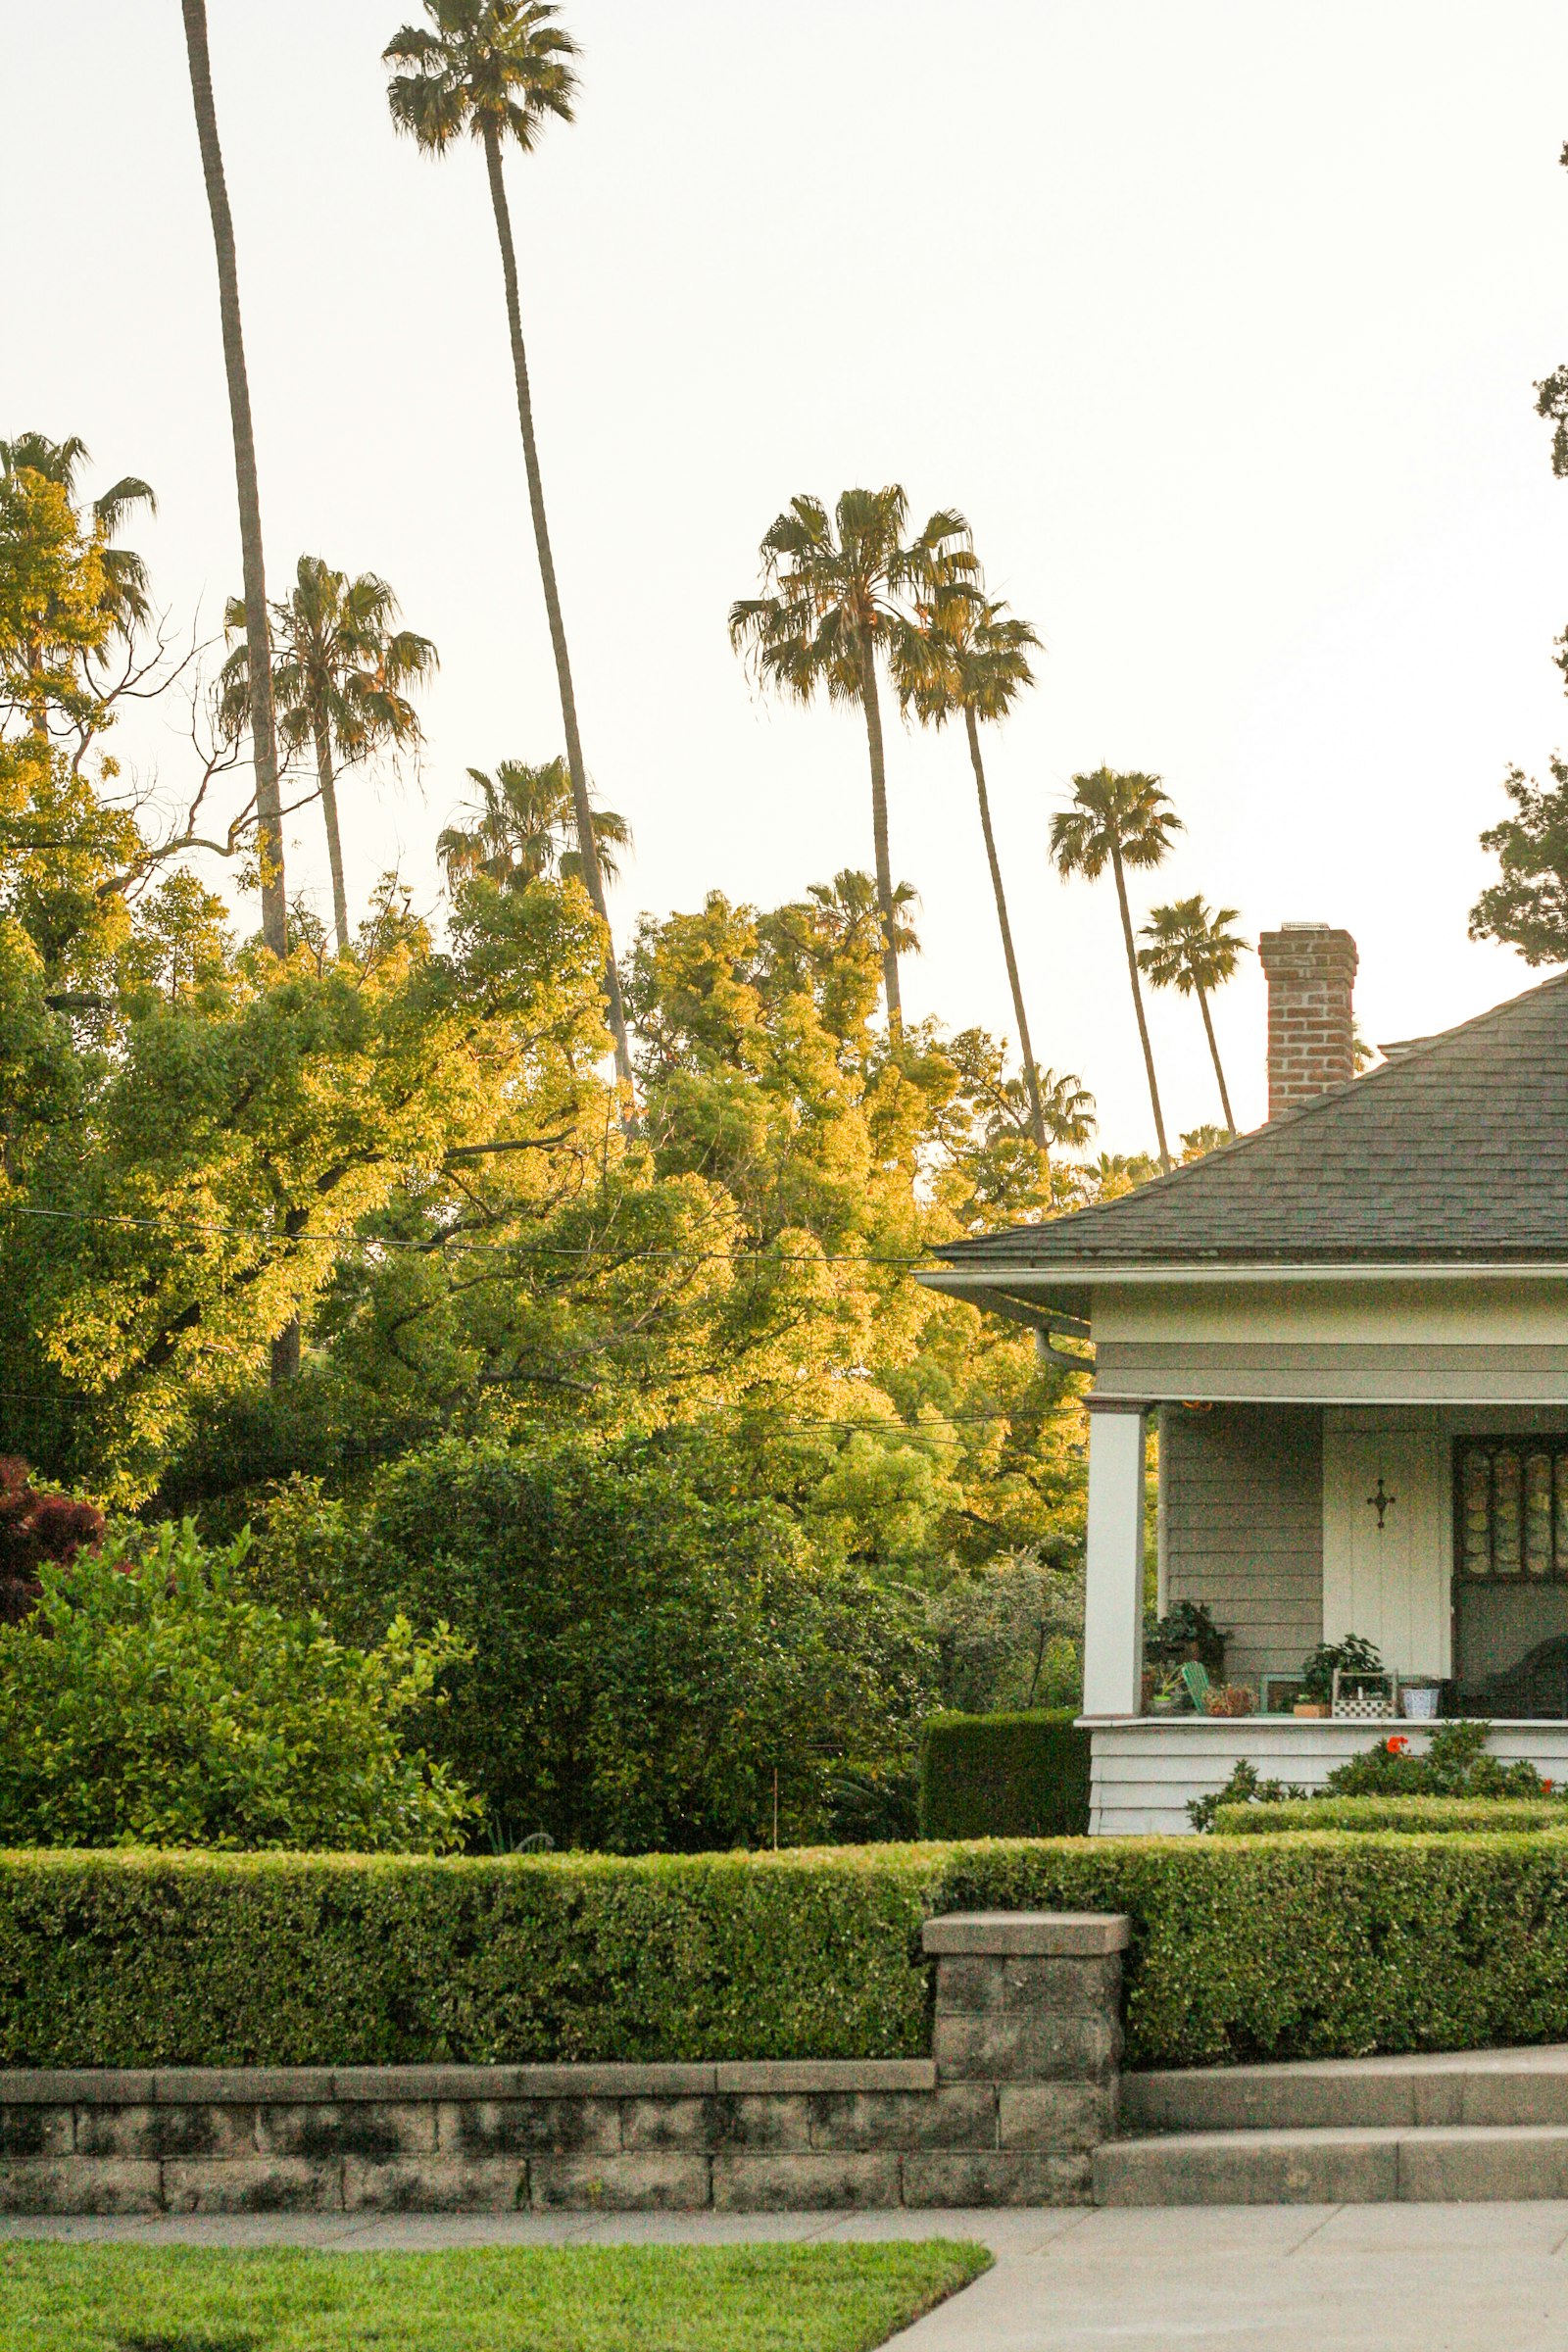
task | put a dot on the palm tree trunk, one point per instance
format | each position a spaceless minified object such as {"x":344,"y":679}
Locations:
{"x":558,"y":630}
{"x":1213,"y":1049}
{"x":1138,"y":1007}
{"x":879,"y":830}
{"x":264,"y":731}
{"x":334,"y":846}
{"x":1031,"y":1075}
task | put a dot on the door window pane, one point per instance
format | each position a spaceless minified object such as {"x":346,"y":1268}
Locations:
{"x":1510,"y":1507}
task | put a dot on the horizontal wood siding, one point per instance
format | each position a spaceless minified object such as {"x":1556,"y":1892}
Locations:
{"x":1429,"y":1373}
{"x":1243,"y":1495}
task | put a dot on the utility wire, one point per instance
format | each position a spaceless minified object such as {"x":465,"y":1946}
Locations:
{"x":360,"y":1240}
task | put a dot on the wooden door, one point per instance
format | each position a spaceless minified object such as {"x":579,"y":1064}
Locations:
{"x":1386,"y":1544}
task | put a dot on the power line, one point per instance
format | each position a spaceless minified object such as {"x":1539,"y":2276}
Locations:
{"x":372,"y":1241}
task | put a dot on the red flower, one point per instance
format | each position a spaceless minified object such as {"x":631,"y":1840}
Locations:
{"x":1397,"y":1745}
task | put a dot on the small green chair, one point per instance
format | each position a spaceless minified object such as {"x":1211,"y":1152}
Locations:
{"x":1196,"y":1677}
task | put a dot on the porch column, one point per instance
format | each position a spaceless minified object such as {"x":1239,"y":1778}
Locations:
{"x":1113,"y":1593}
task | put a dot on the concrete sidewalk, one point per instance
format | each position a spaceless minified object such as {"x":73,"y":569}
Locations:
{"x":1229,"y":2278}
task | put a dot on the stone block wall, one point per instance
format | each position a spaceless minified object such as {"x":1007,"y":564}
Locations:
{"x":1019,"y":2090}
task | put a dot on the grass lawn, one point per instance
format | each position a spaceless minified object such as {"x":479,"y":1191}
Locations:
{"x":763,"y":2298}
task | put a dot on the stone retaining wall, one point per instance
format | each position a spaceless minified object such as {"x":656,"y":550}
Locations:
{"x":1020,"y":2087}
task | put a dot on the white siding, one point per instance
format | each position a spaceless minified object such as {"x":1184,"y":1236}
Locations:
{"x":1143,"y":1774}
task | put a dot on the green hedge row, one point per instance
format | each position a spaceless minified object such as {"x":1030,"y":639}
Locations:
{"x":1317,"y":1945}
{"x":1004,"y":1776}
{"x":1446,"y":1815}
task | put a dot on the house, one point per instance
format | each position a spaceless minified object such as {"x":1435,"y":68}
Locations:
{"x":1349,"y":1330}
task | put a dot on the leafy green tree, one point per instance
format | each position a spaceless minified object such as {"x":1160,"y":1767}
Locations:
{"x":970,"y":657}
{"x":1526,"y":906}
{"x":649,"y":1640}
{"x":836,"y":603}
{"x":1192,"y":950}
{"x":79,"y":588}
{"x":501,"y":71}
{"x":1119,"y":820}
{"x":149,"y":1699}
{"x":264,"y":731}
{"x":340,"y":675}
{"x":525,"y":826}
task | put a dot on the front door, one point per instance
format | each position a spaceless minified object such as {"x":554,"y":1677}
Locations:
{"x":1387,"y":1540}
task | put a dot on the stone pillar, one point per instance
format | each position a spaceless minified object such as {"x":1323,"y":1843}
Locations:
{"x":1028,"y":2002}
{"x":1312,"y":1023}
{"x":1113,"y":1580}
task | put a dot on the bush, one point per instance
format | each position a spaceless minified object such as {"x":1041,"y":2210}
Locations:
{"x":1003,"y":1775}
{"x":145,"y":1703}
{"x":649,"y":1643}
{"x":1314,"y":1947}
{"x":1455,"y":1763}
{"x":1445,"y":1815}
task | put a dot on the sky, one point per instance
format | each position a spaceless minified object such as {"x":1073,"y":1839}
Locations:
{"x":1219,"y":321}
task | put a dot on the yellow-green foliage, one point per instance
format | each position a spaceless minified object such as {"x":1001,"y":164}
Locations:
{"x":1314,"y":1947}
{"x":1439,"y":1815}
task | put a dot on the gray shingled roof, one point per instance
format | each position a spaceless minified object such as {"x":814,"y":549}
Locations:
{"x":1459,"y":1148}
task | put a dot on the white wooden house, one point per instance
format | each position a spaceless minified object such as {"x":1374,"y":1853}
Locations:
{"x":1350,"y":1331}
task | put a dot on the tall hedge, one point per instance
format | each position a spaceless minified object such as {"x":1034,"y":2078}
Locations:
{"x":1311,"y":1947}
{"x":1004,"y":1776}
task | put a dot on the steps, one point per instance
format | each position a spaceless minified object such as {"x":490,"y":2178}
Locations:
{"x":1467,"y":2128}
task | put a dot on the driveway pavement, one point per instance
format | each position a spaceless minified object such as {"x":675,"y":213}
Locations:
{"x":1227,"y":2278}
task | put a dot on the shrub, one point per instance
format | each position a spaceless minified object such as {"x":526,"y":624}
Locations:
{"x":650,"y":1642}
{"x":1009,"y":1637}
{"x":145,"y":1703}
{"x":1314,"y":1947}
{"x":1003,"y":1775}
{"x":1455,"y":1763}
{"x":36,"y":1527}
{"x":1445,"y":1815}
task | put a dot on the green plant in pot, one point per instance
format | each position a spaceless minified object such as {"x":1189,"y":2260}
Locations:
{"x":1187,"y":1632}
{"x":1353,"y":1655}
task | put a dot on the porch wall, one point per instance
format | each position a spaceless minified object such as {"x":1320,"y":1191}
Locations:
{"x":1142,"y":1772}
{"x":1242,"y":1495}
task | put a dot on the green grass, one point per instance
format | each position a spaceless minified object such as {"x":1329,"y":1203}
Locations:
{"x":759,"y":2298}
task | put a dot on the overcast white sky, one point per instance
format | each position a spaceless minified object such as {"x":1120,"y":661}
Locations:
{"x":1219,"y":320}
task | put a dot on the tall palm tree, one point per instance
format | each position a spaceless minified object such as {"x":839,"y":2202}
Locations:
{"x":971,"y":656}
{"x":339,"y":667}
{"x":835,"y":606}
{"x":264,"y":732}
{"x":1192,"y":949}
{"x":500,"y":70}
{"x":525,"y":827}
{"x":1118,"y":820}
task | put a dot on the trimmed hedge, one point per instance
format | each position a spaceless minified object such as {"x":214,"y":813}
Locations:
{"x":1004,"y":1776}
{"x":1446,"y":1815}
{"x":1313,"y":1946}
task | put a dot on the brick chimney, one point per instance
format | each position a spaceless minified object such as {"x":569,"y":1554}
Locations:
{"x":1311,"y":972}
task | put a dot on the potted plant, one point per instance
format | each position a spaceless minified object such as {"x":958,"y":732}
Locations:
{"x":1230,"y":1699}
{"x":1353,"y":1655}
{"x":1187,"y":1632}
{"x":1169,"y":1697}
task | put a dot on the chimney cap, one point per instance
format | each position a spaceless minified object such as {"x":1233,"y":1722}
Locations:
{"x":1307,"y":926}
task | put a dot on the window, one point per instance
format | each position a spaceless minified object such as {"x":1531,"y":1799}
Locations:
{"x":1511,"y":1508}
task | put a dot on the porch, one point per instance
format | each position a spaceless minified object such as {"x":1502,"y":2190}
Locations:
{"x":1437,"y":1531}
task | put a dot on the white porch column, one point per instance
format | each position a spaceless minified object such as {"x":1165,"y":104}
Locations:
{"x":1113,"y":1595}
